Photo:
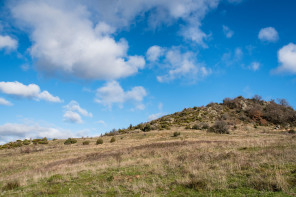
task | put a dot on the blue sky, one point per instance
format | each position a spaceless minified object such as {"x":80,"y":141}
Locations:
{"x":81,"y":68}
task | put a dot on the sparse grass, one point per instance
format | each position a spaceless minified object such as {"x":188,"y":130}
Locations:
{"x":243,"y":163}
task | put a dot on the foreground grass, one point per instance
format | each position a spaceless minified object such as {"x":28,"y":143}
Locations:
{"x":248,"y":162}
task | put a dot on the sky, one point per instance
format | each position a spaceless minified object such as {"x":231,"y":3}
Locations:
{"x":73,"y":68}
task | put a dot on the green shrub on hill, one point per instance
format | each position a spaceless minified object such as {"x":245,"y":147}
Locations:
{"x":70,"y":141}
{"x":112,"y":139}
{"x":100,"y":141}
{"x":220,"y":127}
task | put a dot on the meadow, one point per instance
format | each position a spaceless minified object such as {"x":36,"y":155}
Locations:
{"x":247,"y":162}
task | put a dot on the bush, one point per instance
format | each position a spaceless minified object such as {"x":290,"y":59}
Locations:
{"x":146,"y":128}
{"x":279,"y":114}
{"x":85,"y":143}
{"x":11,"y":185}
{"x":70,"y":141}
{"x":292,"y":131}
{"x":188,"y":127}
{"x":176,"y":134}
{"x":36,"y":141}
{"x":43,"y":141}
{"x":204,"y":126}
{"x":220,"y":127}
{"x":112,"y":139}
{"x":100,"y":141}
{"x":196,"y":127}
{"x":26,"y":142}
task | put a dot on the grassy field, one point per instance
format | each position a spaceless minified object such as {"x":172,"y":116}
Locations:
{"x":247,"y":162}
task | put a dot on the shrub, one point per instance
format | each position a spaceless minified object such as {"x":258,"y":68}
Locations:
{"x":292,"y":131}
{"x":36,"y":141}
{"x":204,"y":126}
{"x":146,"y":128}
{"x":26,"y":142}
{"x":176,"y":134}
{"x":112,"y":140}
{"x":100,"y":141}
{"x":43,"y":141}
{"x":26,"y":150}
{"x":11,"y":185}
{"x":85,"y":143}
{"x":188,"y":127}
{"x":219,"y":127}
{"x":196,"y":127}
{"x":70,"y":141}
{"x":279,"y":114}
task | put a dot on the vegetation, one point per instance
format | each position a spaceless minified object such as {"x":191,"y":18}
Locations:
{"x":100,"y":141}
{"x":220,"y":127}
{"x":176,"y":134}
{"x":256,"y":158}
{"x":70,"y":141}
{"x":85,"y":142}
{"x":112,"y":139}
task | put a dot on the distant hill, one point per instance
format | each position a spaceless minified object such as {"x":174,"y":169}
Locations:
{"x":231,"y":114}
{"x":241,"y":147}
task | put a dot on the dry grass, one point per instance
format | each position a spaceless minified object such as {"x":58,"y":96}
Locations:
{"x":247,"y":162}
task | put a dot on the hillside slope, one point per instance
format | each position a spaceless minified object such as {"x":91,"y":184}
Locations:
{"x":255,"y":157}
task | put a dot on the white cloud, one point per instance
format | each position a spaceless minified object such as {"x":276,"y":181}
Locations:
{"x":154,"y":53}
{"x":73,"y":112}
{"x":6,"y":42}
{"x":181,"y":66}
{"x":5,"y":102}
{"x":254,"y":66}
{"x":159,"y":12}
{"x":268,"y":34}
{"x":65,"y":41}
{"x":287,"y":59}
{"x":31,"y":91}
{"x":45,"y":95}
{"x":112,"y":93}
{"x":227,"y":32}
{"x":73,"y":117}
{"x":12,"y":132}
{"x":154,"y":116}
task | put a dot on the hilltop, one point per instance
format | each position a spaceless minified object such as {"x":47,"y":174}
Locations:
{"x":235,"y":148}
{"x":232,"y":113}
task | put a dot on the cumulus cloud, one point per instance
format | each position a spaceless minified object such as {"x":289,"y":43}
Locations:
{"x":159,"y":12}
{"x":181,"y":65}
{"x":287,"y":59}
{"x":5,"y":102}
{"x":67,"y":42}
{"x":31,"y":91}
{"x":75,"y":38}
{"x":112,"y":93}
{"x":154,"y":53}
{"x":227,"y":32}
{"x":73,"y":117}
{"x":6,"y":42}
{"x":13,"y":131}
{"x":268,"y":34}
{"x":73,"y":112}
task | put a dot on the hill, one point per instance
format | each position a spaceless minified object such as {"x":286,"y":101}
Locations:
{"x":236,"y":148}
